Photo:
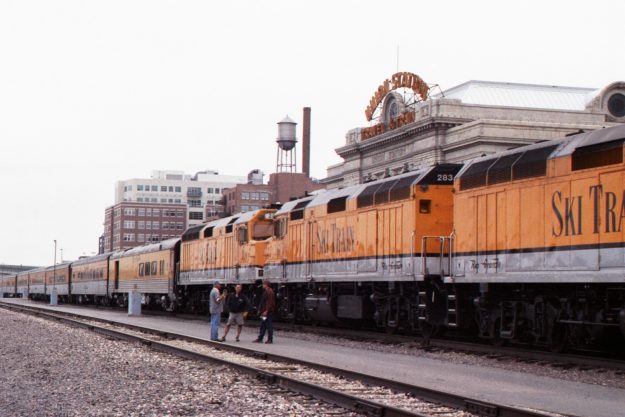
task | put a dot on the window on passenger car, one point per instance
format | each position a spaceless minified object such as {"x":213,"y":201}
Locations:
{"x":162,"y":267}
{"x":147,"y":268}
{"x":141,"y":269}
{"x":154,"y":268}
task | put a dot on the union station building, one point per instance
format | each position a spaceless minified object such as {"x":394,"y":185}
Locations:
{"x":410,"y":125}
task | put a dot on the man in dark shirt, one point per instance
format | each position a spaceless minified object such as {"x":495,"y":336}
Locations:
{"x":238,"y":305}
{"x":267,"y":308}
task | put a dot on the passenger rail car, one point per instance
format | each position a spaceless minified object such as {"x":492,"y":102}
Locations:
{"x":89,"y":283}
{"x":36,"y":283}
{"x":21,"y":284}
{"x":148,"y":269}
{"x":357,"y":253}
{"x":57,"y":278}
{"x":8,"y":287}
{"x":540,"y":243}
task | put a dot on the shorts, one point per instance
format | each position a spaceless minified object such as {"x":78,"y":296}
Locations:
{"x":235,"y":318}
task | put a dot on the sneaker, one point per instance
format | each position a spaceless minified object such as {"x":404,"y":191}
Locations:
{"x":269,"y":342}
{"x":223,"y":339}
{"x":258,"y":341}
{"x":237,"y":340}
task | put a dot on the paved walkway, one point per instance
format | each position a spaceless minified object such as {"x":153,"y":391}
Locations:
{"x":488,"y":384}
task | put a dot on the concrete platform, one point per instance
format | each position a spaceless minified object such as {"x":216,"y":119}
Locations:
{"x":488,"y":384}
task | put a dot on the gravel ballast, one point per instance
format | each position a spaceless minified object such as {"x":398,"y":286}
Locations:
{"x":50,"y":369}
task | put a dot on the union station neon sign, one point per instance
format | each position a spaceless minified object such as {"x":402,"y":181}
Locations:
{"x":393,"y":114}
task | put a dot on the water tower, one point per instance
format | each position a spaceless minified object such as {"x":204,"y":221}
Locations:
{"x":286,"y":160}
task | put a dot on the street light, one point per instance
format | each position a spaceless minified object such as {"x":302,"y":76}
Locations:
{"x":52,"y":301}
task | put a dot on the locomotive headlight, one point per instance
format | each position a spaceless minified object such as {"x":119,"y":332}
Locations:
{"x":616,"y":105}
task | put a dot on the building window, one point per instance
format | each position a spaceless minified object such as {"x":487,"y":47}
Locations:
{"x":148,"y":225}
{"x":140,"y":237}
{"x":179,"y":226}
{"x":216,"y":190}
{"x":196,"y":215}
{"x":166,"y":225}
{"x":254,"y":207}
{"x":245,"y":196}
{"x":163,"y":188}
{"x":254,"y":196}
{"x":141,"y":225}
{"x":129,"y":211}
{"x":163,"y":200}
{"x":146,"y":187}
{"x":171,"y":189}
{"x":148,"y":212}
{"x":155,"y":188}
{"x":154,"y":200}
{"x":264,"y":196}
{"x":178,"y":189}
{"x":177,"y":201}
{"x":129,"y":237}
{"x":139,"y":187}
{"x":156,"y":225}
{"x":180,"y":213}
{"x":141,"y":212}
{"x":245,"y":208}
{"x":156,"y":212}
{"x":129,"y":224}
{"x":209,"y":190}
{"x":195,"y":203}
{"x":139,"y":199}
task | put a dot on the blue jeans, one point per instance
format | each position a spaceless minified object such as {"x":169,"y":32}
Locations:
{"x":215,"y":319}
{"x":266,"y":326}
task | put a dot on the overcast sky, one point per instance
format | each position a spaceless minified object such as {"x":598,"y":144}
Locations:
{"x":92,"y":92}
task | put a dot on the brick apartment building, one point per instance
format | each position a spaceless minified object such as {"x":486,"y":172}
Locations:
{"x":130,"y":224}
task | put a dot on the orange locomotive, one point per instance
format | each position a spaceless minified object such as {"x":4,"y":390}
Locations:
{"x":357,"y":253}
{"x":539,"y":243}
{"x":230,"y":250}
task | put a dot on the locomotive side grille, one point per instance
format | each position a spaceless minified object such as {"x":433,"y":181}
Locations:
{"x":475,"y":176}
{"x":532,"y":163}
{"x":401,"y":189}
{"x":192,"y":233}
{"x":501,"y":171}
{"x":593,"y":156}
{"x":382,"y":194}
{"x":365,"y":198}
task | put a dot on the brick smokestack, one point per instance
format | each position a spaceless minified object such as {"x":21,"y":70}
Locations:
{"x":306,"y":142}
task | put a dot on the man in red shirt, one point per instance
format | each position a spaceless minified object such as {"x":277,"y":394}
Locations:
{"x":267,"y":308}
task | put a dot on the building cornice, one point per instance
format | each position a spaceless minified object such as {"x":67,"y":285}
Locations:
{"x":400,"y":134}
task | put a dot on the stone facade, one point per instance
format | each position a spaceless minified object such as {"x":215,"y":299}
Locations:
{"x":474,"y":119}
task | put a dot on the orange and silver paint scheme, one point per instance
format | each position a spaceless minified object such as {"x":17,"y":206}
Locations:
{"x":148,"y":269}
{"x":57,"y":277}
{"x":368,"y":232}
{"x":553,"y":212}
{"x":229,"y":250}
{"x":90,"y":276}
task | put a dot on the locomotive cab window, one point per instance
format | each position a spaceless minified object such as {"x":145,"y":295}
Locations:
{"x":425,"y":206}
{"x":279,"y":228}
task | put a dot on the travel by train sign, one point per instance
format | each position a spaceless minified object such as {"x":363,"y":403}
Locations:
{"x":394,"y":110}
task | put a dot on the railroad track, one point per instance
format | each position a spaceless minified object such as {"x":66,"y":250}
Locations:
{"x":501,"y":353}
{"x":361,"y":393}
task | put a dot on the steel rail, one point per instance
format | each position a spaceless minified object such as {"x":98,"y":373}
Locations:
{"x":326,"y":394}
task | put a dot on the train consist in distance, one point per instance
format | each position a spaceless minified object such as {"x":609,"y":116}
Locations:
{"x":524,"y":245}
